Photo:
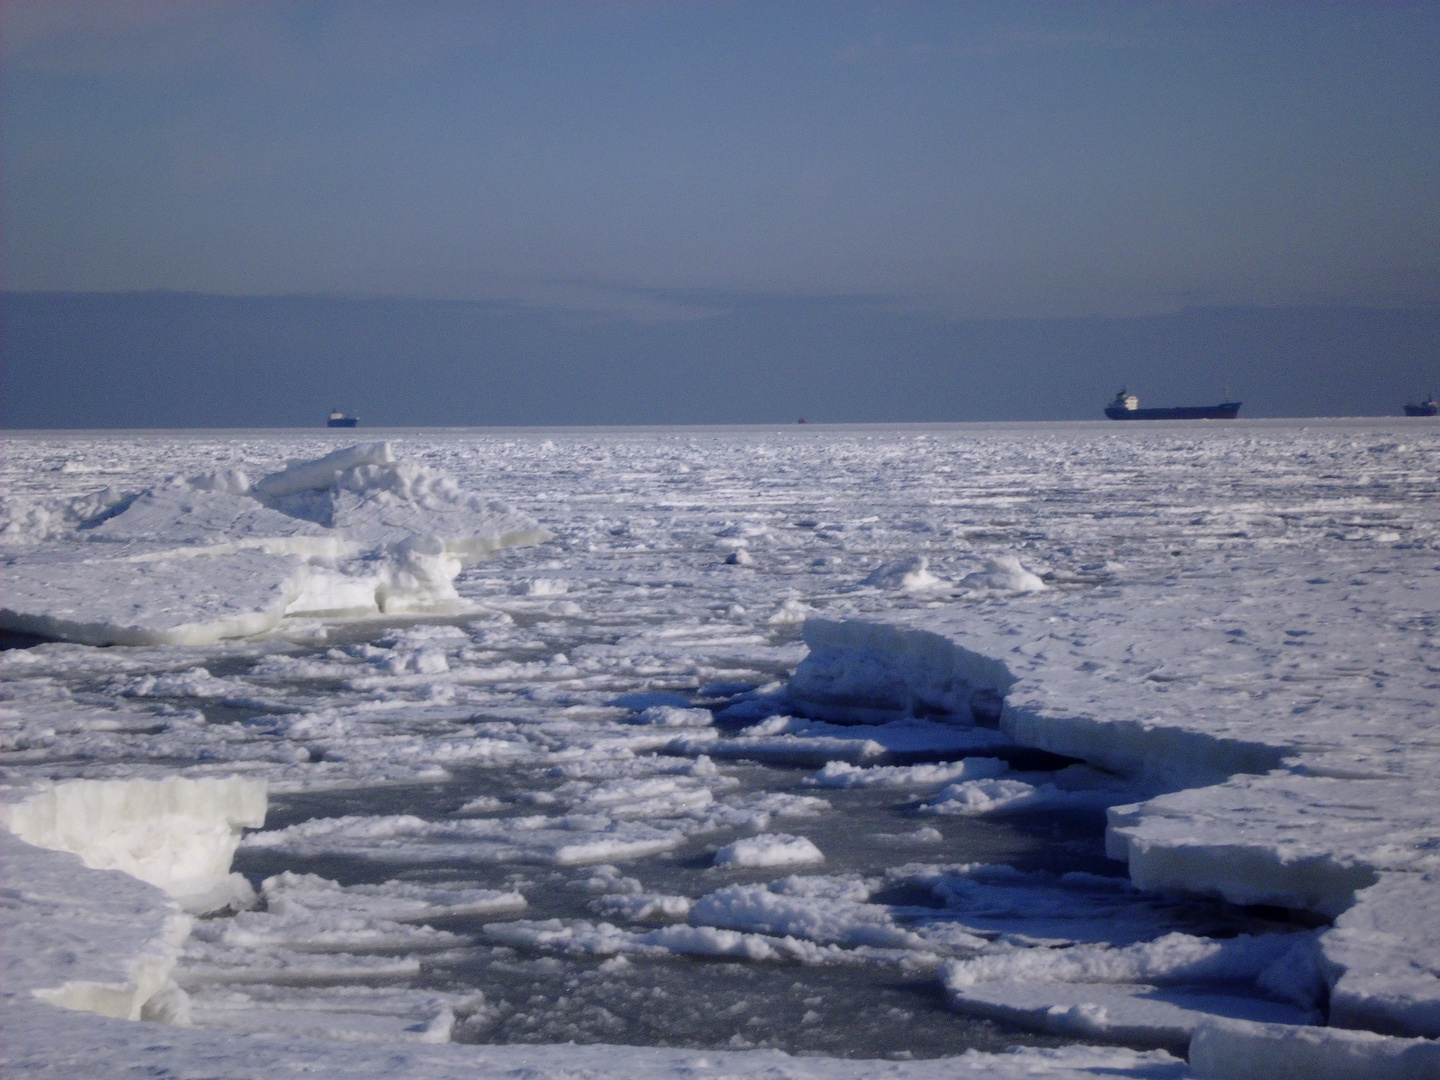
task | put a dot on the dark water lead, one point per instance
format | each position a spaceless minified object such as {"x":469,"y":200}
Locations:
{"x":863,"y":1010}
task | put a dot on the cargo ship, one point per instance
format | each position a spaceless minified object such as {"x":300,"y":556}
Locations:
{"x":1428,"y":407}
{"x":340,"y":419}
{"x":1127,"y":407}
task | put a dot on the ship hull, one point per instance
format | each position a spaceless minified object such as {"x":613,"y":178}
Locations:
{"x":1422,"y":410}
{"x":1225,"y":411}
{"x":348,"y":421}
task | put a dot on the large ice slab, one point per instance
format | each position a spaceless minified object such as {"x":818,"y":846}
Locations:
{"x":1137,"y":1014}
{"x":176,"y":834}
{"x":860,"y":672}
{"x":98,"y":941}
{"x":1251,"y":1050}
{"x":1156,"y":992}
{"x":1301,"y":842}
{"x":171,"y":599}
{"x":1383,"y":957}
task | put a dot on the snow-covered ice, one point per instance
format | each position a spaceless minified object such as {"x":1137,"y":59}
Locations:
{"x":769,"y":849}
{"x":193,"y":561}
{"x":178,"y":834}
{"x":100,"y":941}
{"x":527,"y":792}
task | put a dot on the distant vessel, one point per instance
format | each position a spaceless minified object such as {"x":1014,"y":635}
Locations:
{"x":1127,"y":407}
{"x":339,"y":419}
{"x":1428,"y":407}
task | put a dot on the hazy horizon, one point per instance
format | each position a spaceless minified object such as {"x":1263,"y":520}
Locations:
{"x":565,"y":211}
{"x":163,"y":359}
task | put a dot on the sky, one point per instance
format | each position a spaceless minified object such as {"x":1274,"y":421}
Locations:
{"x":676,"y":177}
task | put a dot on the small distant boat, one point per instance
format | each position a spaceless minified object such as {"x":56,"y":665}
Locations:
{"x":1127,"y":407}
{"x":340,"y":419}
{"x":1428,"y":407}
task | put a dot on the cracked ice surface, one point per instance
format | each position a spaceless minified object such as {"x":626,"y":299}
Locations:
{"x":608,"y":710}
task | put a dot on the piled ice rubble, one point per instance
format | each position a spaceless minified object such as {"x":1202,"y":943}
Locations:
{"x":769,"y":850}
{"x":308,"y":963}
{"x":215,"y":556}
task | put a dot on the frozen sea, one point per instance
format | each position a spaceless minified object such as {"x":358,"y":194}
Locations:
{"x":573,"y":796}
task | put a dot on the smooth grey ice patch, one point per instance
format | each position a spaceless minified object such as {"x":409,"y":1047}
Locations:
{"x":387,"y":1015}
{"x":1252,"y":1050}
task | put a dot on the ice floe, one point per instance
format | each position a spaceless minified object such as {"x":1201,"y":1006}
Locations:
{"x":177,"y":834}
{"x":194,"y":561}
{"x":769,"y":850}
{"x":862,"y":671}
{"x":842,"y":774}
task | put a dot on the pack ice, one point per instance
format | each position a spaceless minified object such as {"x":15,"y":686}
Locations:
{"x":612,"y":768}
{"x":216,"y":556}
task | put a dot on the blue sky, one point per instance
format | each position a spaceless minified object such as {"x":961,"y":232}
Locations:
{"x":646,"y":159}
{"x":714,"y":212}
